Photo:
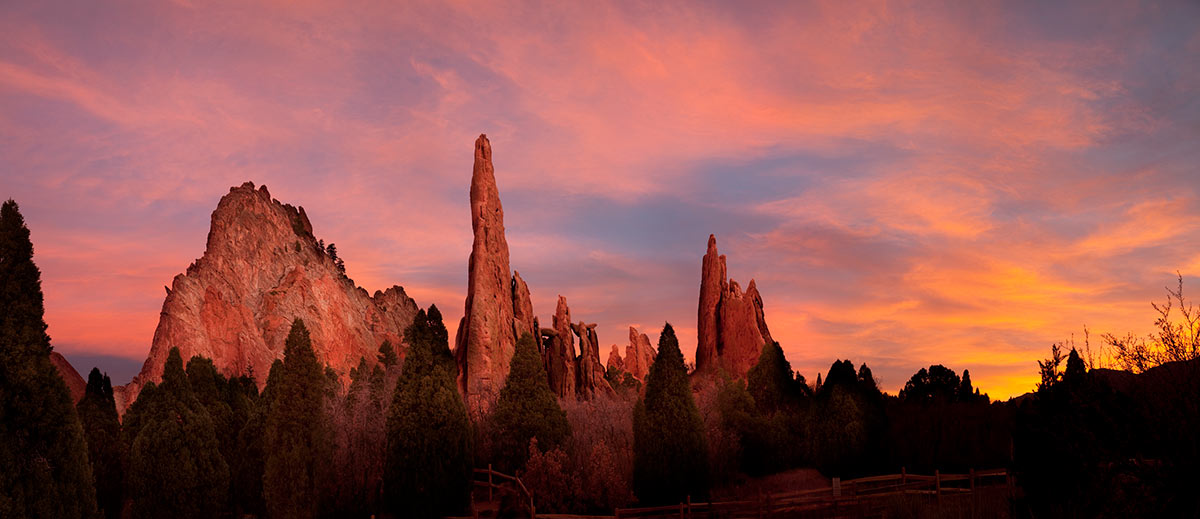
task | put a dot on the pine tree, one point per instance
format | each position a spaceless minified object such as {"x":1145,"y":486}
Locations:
{"x":428,"y":468}
{"x":175,"y":465}
{"x":98,"y":414}
{"x":527,"y":409}
{"x":44,"y":467}
{"x":297,"y":443}
{"x":670,"y":454}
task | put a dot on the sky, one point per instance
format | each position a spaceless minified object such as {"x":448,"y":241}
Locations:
{"x":962,"y":183}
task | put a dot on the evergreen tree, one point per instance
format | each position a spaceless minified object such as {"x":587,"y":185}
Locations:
{"x":98,"y":414}
{"x":175,"y":465}
{"x":297,"y":441}
{"x":527,"y":409}
{"x":771,"y":381}
{"x":387,"y":354}
{"x":670,"y":455}
{"x":211,"y":389}
{"x":44,"y":468}
{"x":249,"y":466}
{"x":427,"y":472}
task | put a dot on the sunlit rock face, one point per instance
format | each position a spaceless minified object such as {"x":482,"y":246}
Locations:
{"x":262,"y":268}
{"x":486,"y":337}
{"x":731,"y":328}
{"x":590,"y":381}
{"x":558,"y":352}
{"x":639,"y":355}
{"x":524,"y":321}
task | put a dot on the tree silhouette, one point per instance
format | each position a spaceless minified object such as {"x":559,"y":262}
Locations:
{"x":106,"y":450}
{"x":427,"y":472}
{"x":527,"y":409}
{"x":175,"y":466}
{"x":44,"y":468}
{"x":297,"y":437}
{"x":670,"y":453}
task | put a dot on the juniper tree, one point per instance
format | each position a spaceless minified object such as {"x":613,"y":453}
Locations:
{"x":106,"y":450}
{"x":44,"y":468}
{"x":670,"y":453}
{"x":527,"y":409}
{"x":175,"y":464}
{"x":248,"y":468}
{"x":427,"y":472}
{"x":297,"y":439}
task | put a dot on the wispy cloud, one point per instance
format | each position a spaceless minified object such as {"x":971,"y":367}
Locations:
{"x":909,"y":183}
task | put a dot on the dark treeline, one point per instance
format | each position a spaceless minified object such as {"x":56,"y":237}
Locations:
{"x":398,"y":441}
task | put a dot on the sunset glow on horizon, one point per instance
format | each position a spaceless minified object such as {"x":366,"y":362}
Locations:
{"x":908,"y":184}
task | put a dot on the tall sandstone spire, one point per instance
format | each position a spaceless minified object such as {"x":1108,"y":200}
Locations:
{"x":486,"y":340}
{"x":732,"y":328}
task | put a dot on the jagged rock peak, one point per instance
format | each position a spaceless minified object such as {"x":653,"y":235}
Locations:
{"x":559,"y":351}
{"x":524,"y":320}
{"x":639,"y":354}
{"x":590,"y":381}
{"x":615,"y":362}
{"x":712,"y":284}
{"x":261,"y":269}
{"x":486,"y":340}
{"x":731,"y":327}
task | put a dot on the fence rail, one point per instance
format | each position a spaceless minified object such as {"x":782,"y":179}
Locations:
{"x":841,"y":495}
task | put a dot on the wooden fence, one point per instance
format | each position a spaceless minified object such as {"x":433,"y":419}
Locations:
{"x":841,"y":496}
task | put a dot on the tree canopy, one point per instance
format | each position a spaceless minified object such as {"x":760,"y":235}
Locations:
{"x":670,"y":452}
{"x":427,"y":471}
{"x":297,"y":438}
{"x":175,"y":465}
{"x":46,"y":472}
{"x":527,"y":409}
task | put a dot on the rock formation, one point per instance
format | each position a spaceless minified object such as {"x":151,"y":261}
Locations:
{"x":523,"y":319}
{"x":76,"y":385}
{"x":639,"y":355}
{"x":615,"y":362}
{"x":712,"y":285}
{"x":590,"y":381}
{"x":731,"y":329}
{"x":487,"y":335}
{"x":559,"y":351}
{"x":262,"y":268}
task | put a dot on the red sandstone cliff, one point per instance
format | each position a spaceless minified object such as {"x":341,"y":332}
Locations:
{"x":262,"y":268}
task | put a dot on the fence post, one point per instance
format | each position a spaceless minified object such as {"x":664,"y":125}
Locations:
{"x":689,"y":505}
{"x":903,"y":476}
{"x":974,"y":496}
{"x":937,"y":484}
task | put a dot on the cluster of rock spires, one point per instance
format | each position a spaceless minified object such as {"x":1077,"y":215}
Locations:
{"x":639,"y":355}
{"x":498,"y":311}
{"x":731,"y":328}
{"x":263,"y":267}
